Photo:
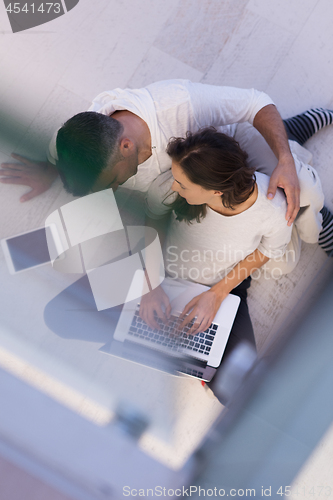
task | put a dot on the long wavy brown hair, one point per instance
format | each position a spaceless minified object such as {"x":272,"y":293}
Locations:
{"x":214,"y":161}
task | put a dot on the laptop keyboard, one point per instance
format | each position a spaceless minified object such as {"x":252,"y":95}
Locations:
{"x":168,"y":336}
{"x":192,"y":371}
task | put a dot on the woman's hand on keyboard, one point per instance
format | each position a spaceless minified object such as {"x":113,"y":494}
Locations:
{"x":202,"y":310}
{"x":155,"y":303}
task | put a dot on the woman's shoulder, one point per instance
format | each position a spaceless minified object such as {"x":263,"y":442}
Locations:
{"x":278,"y":203}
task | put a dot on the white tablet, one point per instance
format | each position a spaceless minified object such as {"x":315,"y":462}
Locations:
{"x":31,"y":249}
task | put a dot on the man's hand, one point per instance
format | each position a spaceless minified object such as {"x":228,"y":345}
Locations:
{"x":39,"y":175}
{"x":269,"y":123}
{"x":203,"y":308}
{"x":155,"y":302}
{"x":285,"y":176}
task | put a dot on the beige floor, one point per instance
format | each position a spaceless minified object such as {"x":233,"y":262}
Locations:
{"x":53,"y":71}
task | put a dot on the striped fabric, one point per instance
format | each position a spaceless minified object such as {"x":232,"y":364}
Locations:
{"x":301,"y":127}
{"x":326,"y":235}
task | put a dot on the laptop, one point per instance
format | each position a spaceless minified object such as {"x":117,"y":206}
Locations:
{"x":167,"y":348}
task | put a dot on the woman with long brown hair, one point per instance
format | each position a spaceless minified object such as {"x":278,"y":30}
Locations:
{"x":222,"y":229}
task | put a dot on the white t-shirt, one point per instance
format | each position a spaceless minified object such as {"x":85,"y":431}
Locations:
{"x":205,"y":252}
{"x":171,"y":108}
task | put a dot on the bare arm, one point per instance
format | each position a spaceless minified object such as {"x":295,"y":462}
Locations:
{"x":39,"y":175}
{"x":239,"y":273}
{"x":204,"y":307}
{"x":156,"y":302}
{"x":269,"y":123}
